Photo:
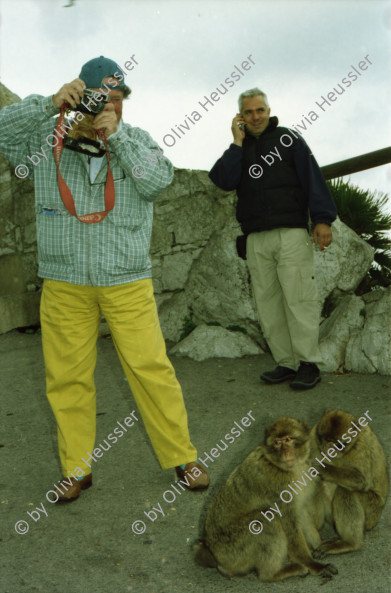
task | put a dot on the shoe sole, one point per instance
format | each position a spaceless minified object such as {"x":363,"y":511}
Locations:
{"x":276,"y":381}
{"x":301,"y":386}
{"x":197,"y":487}
{"x":201,"y":487}
{"x":66,"y":500}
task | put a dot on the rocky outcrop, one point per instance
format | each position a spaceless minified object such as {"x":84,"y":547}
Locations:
{"x":215,"y":342}
{"x":336,"y":331}
{"x":343,"y":265}
{"x":369,"y":349}
{"x":357,"y":335}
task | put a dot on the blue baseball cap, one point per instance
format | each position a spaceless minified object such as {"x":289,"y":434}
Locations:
{"x":94,"y":71}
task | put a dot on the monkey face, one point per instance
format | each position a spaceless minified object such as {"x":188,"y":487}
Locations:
{"x":286,"y":448}
{"x":287,"y":443}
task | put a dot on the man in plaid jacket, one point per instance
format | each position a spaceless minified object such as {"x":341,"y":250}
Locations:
{"x":94,"y":258}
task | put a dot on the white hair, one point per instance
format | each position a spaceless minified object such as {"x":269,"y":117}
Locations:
{"x":251,"y":93}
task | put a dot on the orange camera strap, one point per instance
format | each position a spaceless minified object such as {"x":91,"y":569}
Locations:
{"x":65,"y":192}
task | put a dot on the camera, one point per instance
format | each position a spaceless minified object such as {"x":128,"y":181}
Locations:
{"x":82,"y":137}
{"x":92,"y":102}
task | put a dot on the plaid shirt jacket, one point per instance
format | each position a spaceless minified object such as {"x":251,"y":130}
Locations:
{"x":114,"y":251}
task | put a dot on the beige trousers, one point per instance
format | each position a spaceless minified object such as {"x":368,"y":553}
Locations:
{"x":283,"y":280}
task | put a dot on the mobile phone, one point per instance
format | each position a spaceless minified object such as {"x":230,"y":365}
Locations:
{"x":242,"y":126}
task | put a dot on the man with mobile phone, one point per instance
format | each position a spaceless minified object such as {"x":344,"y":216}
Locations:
{"x":278,"y":183}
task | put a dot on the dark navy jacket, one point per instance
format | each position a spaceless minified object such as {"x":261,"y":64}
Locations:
{"x":284,"y":190}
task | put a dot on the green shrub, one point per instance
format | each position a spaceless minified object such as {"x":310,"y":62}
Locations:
{"x":363,"y":211}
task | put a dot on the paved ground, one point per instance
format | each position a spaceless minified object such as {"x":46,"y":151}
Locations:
{"x":88,"y":546}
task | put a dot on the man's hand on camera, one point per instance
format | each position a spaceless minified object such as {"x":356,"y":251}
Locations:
{"x":71,"y":93}
{"x":106,"y":120}
{"x":237,"y":132}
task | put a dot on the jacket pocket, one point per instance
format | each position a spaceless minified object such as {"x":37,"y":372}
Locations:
{"x":55,"y":237}
{"x":125,"y":247}
{"x":129,"y":220}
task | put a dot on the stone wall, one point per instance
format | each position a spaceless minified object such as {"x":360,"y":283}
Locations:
{"x":200,"y":281}
{"x":19,"y":299}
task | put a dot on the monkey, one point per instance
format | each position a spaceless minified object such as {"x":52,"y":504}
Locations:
{"x":250,"y":494}
{"x":356,"y":477}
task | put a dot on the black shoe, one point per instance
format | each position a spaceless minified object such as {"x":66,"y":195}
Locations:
{"x":307,"y":376}
{"x":279,"y":375}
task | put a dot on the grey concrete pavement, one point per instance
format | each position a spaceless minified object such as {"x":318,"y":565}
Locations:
{"x":88,"y":546}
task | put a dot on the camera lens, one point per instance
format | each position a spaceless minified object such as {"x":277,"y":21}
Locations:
{"x":90,"y":104}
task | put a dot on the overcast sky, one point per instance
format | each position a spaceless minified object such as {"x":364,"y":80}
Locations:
{"x":185,"y":49}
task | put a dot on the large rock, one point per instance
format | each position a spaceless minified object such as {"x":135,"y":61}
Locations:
{"x":215,"y":342}
{"x":173,"y":314}
{"x":336,"y":330}
{"x":176,"y":268}
{"x":218,"y":288}
{"x":344,"y":264}
{"x":369,"y":350}
{"x":193,"y":249}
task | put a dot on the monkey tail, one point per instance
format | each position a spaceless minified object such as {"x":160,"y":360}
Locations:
{"x":204,"y":556}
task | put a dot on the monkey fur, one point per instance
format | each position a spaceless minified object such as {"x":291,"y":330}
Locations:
{"x":356,"y":479}
{"x":253,"y":487}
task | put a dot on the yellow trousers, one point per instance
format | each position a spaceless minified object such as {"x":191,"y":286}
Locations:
{"x":70,"y":318}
